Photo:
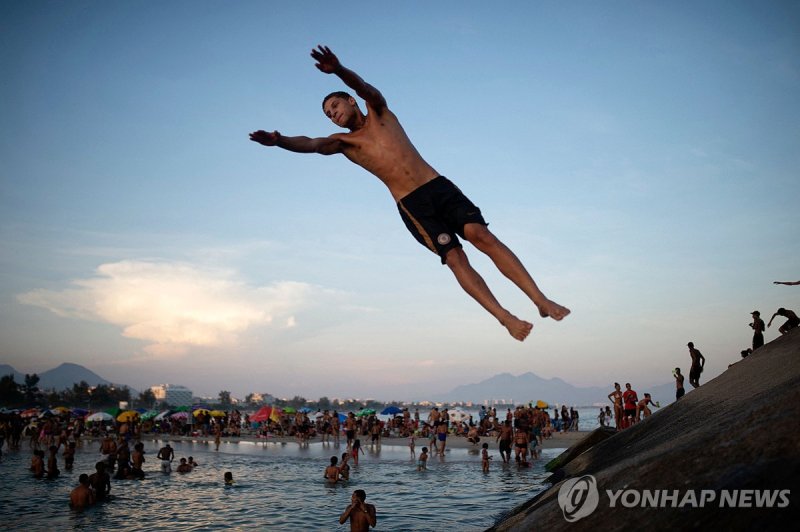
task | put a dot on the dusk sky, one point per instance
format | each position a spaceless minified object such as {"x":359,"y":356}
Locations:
{"x":641,"y":158}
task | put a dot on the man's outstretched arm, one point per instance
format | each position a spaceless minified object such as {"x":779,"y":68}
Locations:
{"x":322,"y":145}
{"x":328,"y":63}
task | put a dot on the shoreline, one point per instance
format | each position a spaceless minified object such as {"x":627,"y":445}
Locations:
{"x":560,"y":440}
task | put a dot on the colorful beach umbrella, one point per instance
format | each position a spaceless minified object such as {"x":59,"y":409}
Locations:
{"x":217,"y":413}
{"x":162,"y":415}
{"x":127,"y":416}
{"x":391,"y":410}
{"x":289,"y":410}
{"x":180,"y":415}
{"x":365,"y":412}
{"x":201,"y":412}
{"x":30,"y":412}
{"x":542,"y":404}
{"x":100,"y":416}
{"x":265,"y":413}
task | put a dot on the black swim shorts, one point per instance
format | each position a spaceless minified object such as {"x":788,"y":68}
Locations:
{"x":436,"y":212}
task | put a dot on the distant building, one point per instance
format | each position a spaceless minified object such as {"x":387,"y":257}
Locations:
{"x":172,"y":394}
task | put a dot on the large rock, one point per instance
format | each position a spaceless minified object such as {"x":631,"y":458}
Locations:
{"x":740,"y":431}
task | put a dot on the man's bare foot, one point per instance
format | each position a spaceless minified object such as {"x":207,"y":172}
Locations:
{"x":518,"y":328}
{"x":551,"y":309}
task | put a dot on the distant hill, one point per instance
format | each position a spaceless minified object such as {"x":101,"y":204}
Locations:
{"x":67,"y":374}
{"x":531,"y":387}
{"x":64,"y":376}
{"x":5,"y":369}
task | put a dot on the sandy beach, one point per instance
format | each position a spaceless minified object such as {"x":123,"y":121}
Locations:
{"x":561,"y":440}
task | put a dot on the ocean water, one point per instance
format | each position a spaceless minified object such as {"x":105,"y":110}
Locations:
{"x":277,"y":487}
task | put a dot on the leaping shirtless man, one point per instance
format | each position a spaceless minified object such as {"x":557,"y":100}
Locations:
{"x":433,"y":208}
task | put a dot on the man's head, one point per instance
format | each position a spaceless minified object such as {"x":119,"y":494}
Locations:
{"x":690,"y":345}
{"x":84,"y":479}
{"x":341,"y":108}
{"x":628,"y":385}
{"x":361,"y":495}
{"x":755,"y":313}
{"x":781,"y":311}
{"x":334,"y":460}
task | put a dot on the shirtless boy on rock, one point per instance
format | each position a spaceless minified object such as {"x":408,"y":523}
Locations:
{"x":434,"y":210}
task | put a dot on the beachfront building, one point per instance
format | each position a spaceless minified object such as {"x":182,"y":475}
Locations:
{"x":172,"y":394}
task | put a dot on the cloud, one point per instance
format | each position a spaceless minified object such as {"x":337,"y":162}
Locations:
{"x":176,"y":306}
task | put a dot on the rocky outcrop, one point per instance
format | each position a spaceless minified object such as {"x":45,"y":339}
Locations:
{"x":740,"y":431}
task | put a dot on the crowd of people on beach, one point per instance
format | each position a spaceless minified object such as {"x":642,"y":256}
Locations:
{"x":522,"y":430}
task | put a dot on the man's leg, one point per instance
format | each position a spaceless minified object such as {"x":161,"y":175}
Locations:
{"x":476,"y":287}
{"x":510,"y":266}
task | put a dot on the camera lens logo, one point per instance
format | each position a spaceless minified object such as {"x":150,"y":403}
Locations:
{"x":578,"y":497}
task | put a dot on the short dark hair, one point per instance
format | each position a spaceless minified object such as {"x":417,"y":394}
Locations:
{"x":335,"y":94}
{"x":361,"y":494}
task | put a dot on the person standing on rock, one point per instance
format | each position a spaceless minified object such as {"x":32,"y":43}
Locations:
{"x":679,"y":390}
{"x":758,"y":329}
{"x":698,"y":362}
{"x":616,"y":398}
{"x":629,"y":400}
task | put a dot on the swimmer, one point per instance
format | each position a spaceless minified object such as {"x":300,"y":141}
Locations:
{"x":82,"y":496}
{"x":344,"y":468}
{"x":184,"y":466}
{"x":52,"y":463}
{"x":100,"y":482}
{"x":37,"y":463}
{"x":433,"y":209}
{"x":69,"y":455}
{"x":166,"y":455}
{"x":228,"y":478}
{"x":332,"y":471}
{"x":361,"y":515}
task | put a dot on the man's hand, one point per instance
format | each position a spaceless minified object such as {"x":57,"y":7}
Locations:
{"x":267,"y":139}
{"x":327,"y":62}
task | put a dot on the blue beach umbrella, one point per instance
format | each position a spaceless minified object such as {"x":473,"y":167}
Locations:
{"x":391,"y":410}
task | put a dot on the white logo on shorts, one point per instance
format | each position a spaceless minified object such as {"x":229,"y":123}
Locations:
{"x":578,"y":497}
{"x":443,"y":239}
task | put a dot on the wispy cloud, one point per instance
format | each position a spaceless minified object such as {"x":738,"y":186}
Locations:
{"x":176,"y":306}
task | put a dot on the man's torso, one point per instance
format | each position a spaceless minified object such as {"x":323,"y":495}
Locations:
{"x":382,"y":148}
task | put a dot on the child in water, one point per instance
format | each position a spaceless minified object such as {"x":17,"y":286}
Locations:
{"x":356,"y":449}
{"x":228,"y":478}
{"x":485,"y":457}
{"x":422,"y":463}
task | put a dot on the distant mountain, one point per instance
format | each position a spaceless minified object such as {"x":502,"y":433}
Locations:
{"x":64,"y":376}
{"x":531,"y":387}
{"x":5,"y":369}
{"x":67,"y":374}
